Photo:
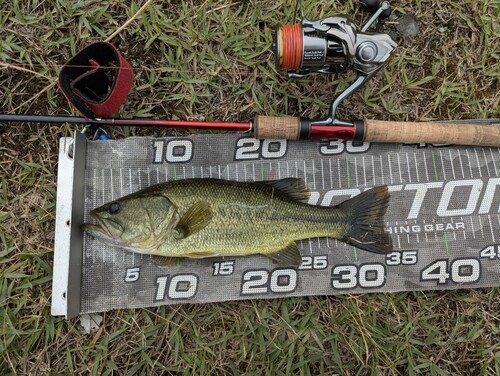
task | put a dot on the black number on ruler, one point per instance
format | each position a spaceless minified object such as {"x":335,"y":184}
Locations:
{"x":332,"y":147}
{"x":132,"y":274}
{"x":179,"y":150}
{"x":366,"y":276}
{"x":180,"y":286}
{"x":223,"y":268}
{"x":401,"y":258}
{"x":249,"y":148}
{"x":314,"y":262}
{"x":262,"y":281}
{"x":491,"y":252}
{"x":460,"y":270}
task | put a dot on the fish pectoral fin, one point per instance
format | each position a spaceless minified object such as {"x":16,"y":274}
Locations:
{"x":294,"y":188}
{"x":194,"y":220}
{"x":163,"y":261}
{"x":200,"y":254}
{"x":288,"y":256}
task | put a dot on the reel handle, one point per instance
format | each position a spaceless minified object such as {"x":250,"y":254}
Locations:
{"x":432,"y":133}
{"x":402,"y":132}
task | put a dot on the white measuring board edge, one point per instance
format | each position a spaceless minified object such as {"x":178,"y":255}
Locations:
{"x":68,"y":243}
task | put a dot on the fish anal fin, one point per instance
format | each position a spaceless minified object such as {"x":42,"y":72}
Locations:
{"x":194,"y":219}
{"x":294,"y":188}
{"x":164,"y":261}
{"x":200,"y":254}
{"x":288,"y":256}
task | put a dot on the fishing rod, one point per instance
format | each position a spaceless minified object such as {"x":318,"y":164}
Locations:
{"x":330,"y":45}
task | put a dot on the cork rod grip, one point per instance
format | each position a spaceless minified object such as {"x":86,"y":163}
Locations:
{"x":271,"y":127}
{"x":432,"y":133}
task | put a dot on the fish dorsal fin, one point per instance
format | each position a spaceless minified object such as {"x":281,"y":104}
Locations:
{"x":288,"y":256}
{"x":194,"y":219}
{"x":294,"y":188}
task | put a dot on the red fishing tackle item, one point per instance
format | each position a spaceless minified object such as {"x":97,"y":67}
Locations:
{"x":97,"y":80}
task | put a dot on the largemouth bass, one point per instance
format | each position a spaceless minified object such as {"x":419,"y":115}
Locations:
{"x":200,"y":218}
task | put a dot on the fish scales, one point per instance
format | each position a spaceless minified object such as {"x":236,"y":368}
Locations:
{"x":248,"y":217}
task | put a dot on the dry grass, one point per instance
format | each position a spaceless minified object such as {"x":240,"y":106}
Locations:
{"x":213,"y":62}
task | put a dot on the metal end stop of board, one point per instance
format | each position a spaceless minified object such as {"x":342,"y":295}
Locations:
{"x":68,"y":244}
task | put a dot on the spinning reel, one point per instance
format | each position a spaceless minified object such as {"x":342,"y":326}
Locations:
{"x":333,"y":45}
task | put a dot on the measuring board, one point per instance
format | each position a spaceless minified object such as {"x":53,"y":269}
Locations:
{"x":444,"y":218}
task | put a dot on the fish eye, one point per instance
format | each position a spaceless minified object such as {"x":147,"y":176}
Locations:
{"x":114,"y":208}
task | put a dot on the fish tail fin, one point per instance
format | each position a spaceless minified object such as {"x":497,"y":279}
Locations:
{"x":365,"y":215}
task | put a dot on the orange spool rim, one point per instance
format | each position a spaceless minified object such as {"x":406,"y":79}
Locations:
{"x":291,"y":46}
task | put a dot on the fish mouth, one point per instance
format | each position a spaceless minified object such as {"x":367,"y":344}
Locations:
{"x":104,"y":229}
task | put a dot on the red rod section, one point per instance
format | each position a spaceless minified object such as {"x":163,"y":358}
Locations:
{"x":340,"y":132}
{"x":211,"y":125}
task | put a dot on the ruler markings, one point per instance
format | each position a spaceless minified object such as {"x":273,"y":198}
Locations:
{"x":454,"y":232}
{"x":340,"y":178}
{"x":465,"y":237}
{"x":348,"y":173}
{"x":322,"y":175}
{"x":481,"y":226}
{"x":493,"y":160}
{"x":382,"y":170}
{"x":121,"y":182}
{"x":478,"y":164}
{"x":425,"y":166}
{"x":112,"y":183}
{"x":442,"y":164}
{"x":433,"y":156}
{"x":104,"y":187}
{"x":451,"y":162}
{"x":491,"y":229}
{"x":305,"y":172}
{"x":364,"y":170}
{"x":313,"y":173}
{"x":473,"y":229}
{"x":461,"y":164}
{"x":373,"y":171}
{"x":356,"y":171}
{"x":390,"y":168}
{"x":416,"y":166}
{"x":331,"y":173}
{"x":470,"y":166}
{"x":399,"y":168}
{"x":486,"y":162}
{"x":408,"y":166}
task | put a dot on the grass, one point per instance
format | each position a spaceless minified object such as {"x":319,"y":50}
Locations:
{"x":211,"y":60}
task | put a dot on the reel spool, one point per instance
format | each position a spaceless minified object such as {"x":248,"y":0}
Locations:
{"x":333,"y":45}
